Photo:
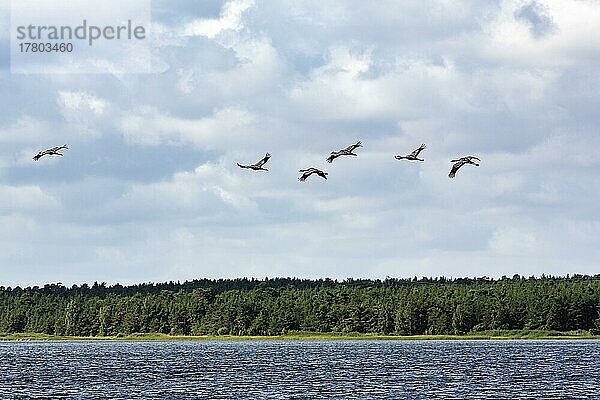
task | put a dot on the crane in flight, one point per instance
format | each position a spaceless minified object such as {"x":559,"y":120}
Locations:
{"x":414,"y":156}
{"x":54,"y":151}
{"x":258,"y":166}
{"x":459,"y":162}
{"x":348,"y":151}
{"x":308,"y":172}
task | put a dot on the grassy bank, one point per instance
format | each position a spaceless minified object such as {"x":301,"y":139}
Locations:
{"x":487,"y":335}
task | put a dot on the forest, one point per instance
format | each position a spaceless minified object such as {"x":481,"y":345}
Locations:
{"x":434,"y":306}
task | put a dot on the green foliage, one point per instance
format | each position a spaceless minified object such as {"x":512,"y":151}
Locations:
{"x":281,"y":306}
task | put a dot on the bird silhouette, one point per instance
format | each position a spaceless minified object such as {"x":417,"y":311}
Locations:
{"x":308,"y":172}
{"x":459,"y":162}
{"x":414,"y":156}
{"x":348,"y":151}
{"x":258,"y":166}
{"x":54,"y":151}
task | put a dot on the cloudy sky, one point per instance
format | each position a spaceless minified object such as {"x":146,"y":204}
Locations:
{"x":149,"y":189}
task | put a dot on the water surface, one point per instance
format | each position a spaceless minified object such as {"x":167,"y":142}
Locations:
{"x":565,"y":369}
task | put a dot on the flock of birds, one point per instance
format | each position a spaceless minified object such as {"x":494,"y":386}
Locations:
{"x":348,"y":151}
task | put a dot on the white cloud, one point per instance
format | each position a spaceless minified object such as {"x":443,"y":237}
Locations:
{"x":164,"y":36}
{"x":17,"y":227}
{"x":230,"y":19}
{"x":344,"y":89}
{"x":27,"y":129}
{"x":82,"y":111}
{"x":80,"y":102}
{"x":506,"y":183}
{"x":25,"y":198}
{"x":148,"y":126}
{"x":514,"y":241}
{"x":205,"y":191}
{"x":509,"y":39}
{"x":554,"y":152}
{"x":258,"y":68}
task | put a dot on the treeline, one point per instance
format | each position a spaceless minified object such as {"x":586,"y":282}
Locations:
{"x":282,"y":305}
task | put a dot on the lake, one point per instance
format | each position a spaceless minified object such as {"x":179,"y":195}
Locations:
{"x":509,"y":369}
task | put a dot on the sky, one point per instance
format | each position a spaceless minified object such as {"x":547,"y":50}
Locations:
{"x":149,"y":190}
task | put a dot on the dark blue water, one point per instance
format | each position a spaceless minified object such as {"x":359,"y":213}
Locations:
{"x":301,"y":370}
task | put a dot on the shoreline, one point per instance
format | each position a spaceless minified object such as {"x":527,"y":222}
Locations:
{"x":309,"y":336}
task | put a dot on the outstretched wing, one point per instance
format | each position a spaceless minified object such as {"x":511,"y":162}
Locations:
{"x":322,"y":174}
{"x":471,"y":158}
{"x":57,"y":148}
{"x":353,"y":147}
{"x":305,"y":175}
{"x":417,"y":151}
{"x":455,"y":168}
{"x":263,"y":161}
